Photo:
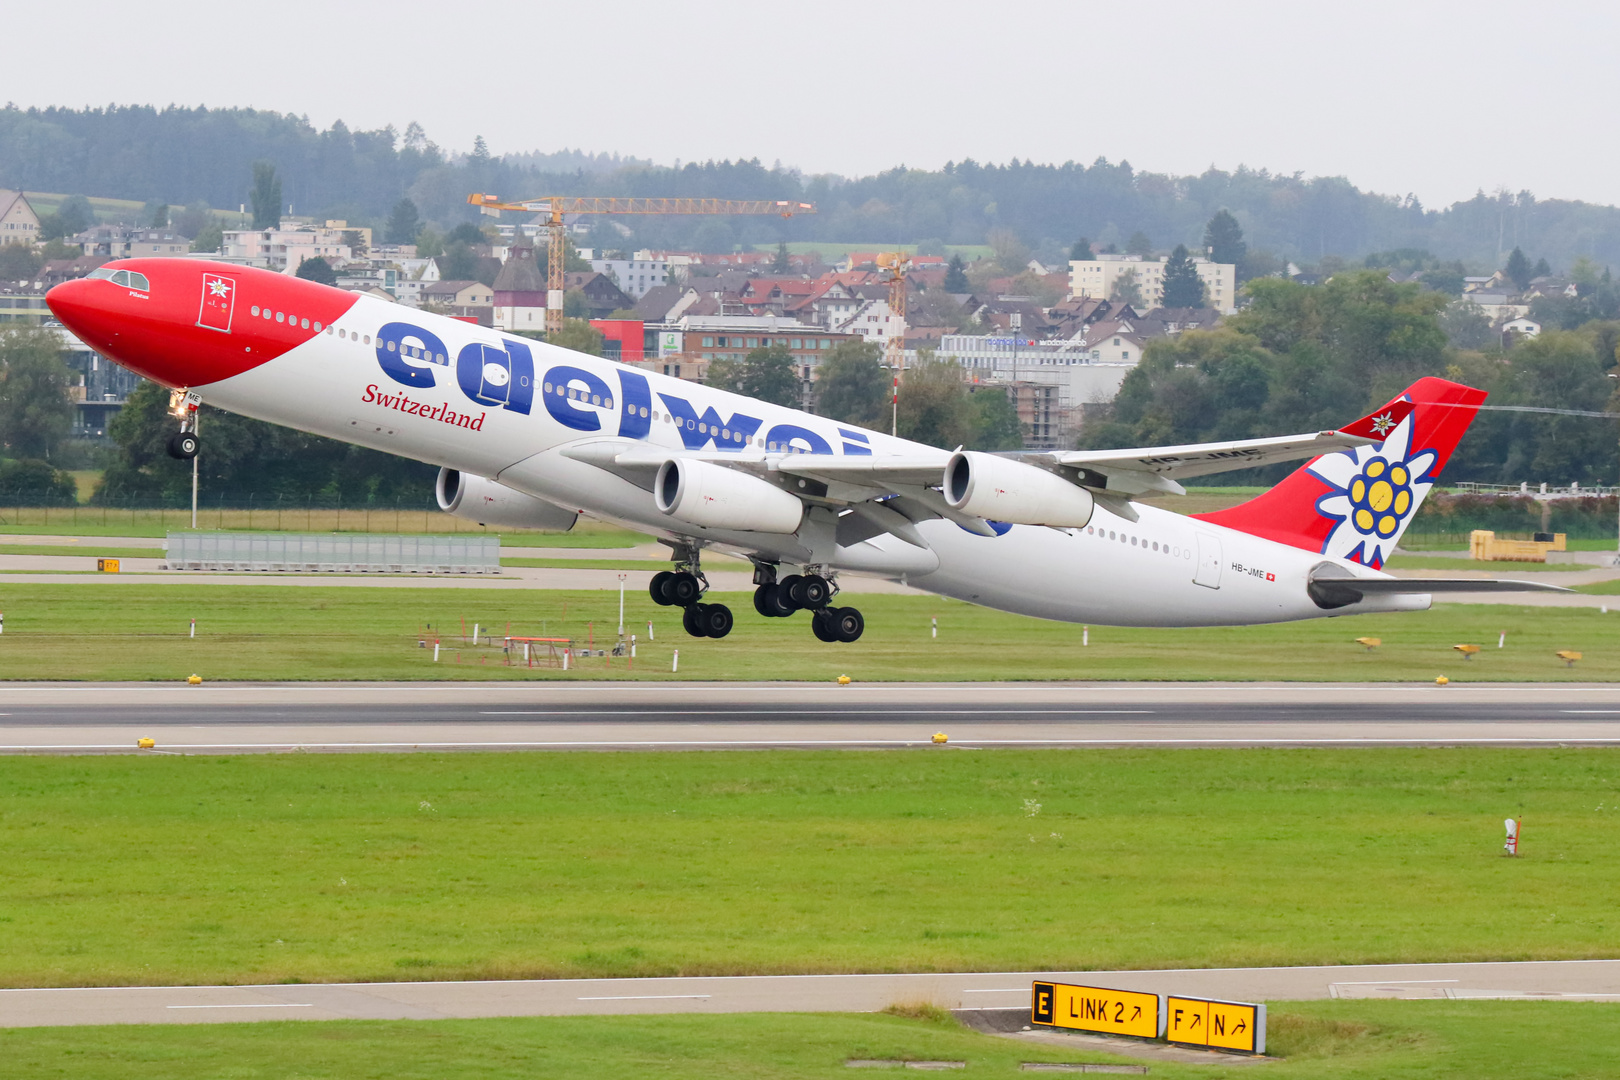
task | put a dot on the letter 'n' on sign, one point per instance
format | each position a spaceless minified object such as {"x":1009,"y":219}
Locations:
{"x":1096,"y":1009}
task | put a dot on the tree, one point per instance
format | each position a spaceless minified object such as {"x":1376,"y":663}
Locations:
{"x":1518,"y":269}
{"x":1466,"y":326}
{"x":956,"y":275}
{"x":766,"y":373}
{"x":466,"y":233}
{"x":18,"y":262}
{"x":934,"y":405}
{"x":31,"y":482}
{"x":192,"y":220}
{"x":480,"y":151}
{"x":211,"y":238}
{"x":578,"y":335}
{"x":71,"y":218}
{"x":1183,"y":288}
{"x":853,"y":385}
{"x":1127,"y":290}
{"x":1139,"y":244}
{"x":316,"y":269}
{"x":35,"y":412}
{"x":1223,"y":239}
{"x":1011,"y":253}
{"x":160,"y":215}
{"x":265,"y":196}
{"x":404,"y":223}
{"x":1081,"y":252}
{"x":780,"y":264}
{"x":995,"y":422}
{"x":1541,"y":269}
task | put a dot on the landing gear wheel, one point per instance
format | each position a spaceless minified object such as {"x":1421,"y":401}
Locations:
{"x":693,"y":620}
{"x":784,"y":593}
{"x":772,"y":602}
{"x":183,"y":445}
{"x":846,"y":623}
{"x":811,"y":591}
{"x":684,"y":588}
{"x":821,"y":624}
{"x":659,"y":588}
{"x":716,"y":620}
{"x":765,"y":602}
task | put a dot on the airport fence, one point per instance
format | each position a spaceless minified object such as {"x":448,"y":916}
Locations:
{"x":275,"y":513}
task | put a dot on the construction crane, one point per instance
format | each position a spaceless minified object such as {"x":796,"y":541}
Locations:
{"x":894,"y":265}
{"x":555,"y":206}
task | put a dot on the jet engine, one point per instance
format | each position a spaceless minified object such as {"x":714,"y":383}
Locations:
{"x":489,"y":503}
{"x":1000,"y":489}
{"x":715,"y":497}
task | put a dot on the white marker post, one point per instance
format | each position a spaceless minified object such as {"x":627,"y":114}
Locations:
{"x":1501,"y":639}
{"x":632,"y":646}
{"x":1085,"y":636}
{"x":933,"y":627}
{"x":1512,"y":845}
{"x":649,"y":632}
{"x":566,"y":654}
{"x":435,"y":650}
{"x":621,"y":605}
{"x":475,"y":633}
{"x":193,"y":627}
{"x":675,"y":662}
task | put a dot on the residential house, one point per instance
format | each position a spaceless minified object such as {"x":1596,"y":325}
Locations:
{"x":1113,"y":341}
{"x":602,"y":297}
{"x":18,"y":222}
{"x":1523,"y":326}
{"x":666,"y":303}
{"x":283,"y":248}
{"x":458,"y":294}
{"x":634,"y":276}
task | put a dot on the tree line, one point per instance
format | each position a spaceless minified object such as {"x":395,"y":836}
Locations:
{"x":1308,"y":358}
{"x":181,"y":155}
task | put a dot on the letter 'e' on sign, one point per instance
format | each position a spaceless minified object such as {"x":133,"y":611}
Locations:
{"x":1095,"y":1009}
{"x":1220,"y":1025}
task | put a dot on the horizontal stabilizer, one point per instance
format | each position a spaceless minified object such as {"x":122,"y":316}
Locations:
{"x":1331,"y":586}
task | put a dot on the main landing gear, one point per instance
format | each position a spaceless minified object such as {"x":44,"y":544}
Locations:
{"x":684,"y":587}
{"x":806,"y":592}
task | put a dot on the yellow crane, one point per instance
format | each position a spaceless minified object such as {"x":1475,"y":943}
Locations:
{"x":554,"y":207}
{"x":894,"y":266}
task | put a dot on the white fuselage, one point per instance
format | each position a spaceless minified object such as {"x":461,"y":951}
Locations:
{"x":1164,"y":569}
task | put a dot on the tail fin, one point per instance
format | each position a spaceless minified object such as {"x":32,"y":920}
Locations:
{"x":1355,"y":504}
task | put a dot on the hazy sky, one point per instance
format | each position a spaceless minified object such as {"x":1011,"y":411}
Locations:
{"x":1434,"y":98}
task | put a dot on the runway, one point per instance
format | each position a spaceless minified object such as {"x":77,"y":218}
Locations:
{"x":1572,"y":980}
{"x":65,"y":719}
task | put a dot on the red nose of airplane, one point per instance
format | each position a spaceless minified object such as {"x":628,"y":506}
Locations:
{"x":71,"y":302}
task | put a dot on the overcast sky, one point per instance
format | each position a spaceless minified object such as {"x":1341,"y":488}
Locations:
{"x":1435,"y":98}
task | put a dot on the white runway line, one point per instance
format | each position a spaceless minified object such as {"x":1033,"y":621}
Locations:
{"x":648,"y":997}
{"x":265,"y":1005}
{"x":874,"y":710}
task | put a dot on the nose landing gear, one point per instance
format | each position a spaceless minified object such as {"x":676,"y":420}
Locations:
{"x":183,"y":405}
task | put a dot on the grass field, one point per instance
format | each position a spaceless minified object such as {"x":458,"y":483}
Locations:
{"x":1360,"y":1040}
{"x":148,"y":870}
{"x":91,"y":521}
{"x":100,"y":631}
{"x":90,"y":549}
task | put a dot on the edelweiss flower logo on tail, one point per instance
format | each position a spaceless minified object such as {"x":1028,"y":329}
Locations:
{"x":1376,"y":489}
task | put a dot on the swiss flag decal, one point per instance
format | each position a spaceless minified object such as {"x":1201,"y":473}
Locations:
{"x":218,"y":302}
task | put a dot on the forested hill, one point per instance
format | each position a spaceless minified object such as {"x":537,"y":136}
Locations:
{"x":180,"y":155}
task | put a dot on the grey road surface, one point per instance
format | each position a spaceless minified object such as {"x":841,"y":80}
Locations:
{"x":1583,"y":980}
{"x":651,"y":716}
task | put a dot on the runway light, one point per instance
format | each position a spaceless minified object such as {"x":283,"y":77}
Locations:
{"x":145,"y":743}
{"x":843,"y":680}
{"x":1441,"y":681}
{"x":195,"y":680}
{"x":940,"y":738}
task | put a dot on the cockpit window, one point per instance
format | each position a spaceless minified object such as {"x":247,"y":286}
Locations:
{"x":127,"y":277}
{"x":100,"y":273}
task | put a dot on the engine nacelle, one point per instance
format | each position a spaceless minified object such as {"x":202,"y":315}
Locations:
{"x":476,"y":498}
{"x":1000,"y":489}
{"x":715,"y":497}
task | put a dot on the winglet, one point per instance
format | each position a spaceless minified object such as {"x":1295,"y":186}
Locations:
{"x":1377,"y":425}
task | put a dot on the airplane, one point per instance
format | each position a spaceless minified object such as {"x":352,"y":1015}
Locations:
{"x":531,"y":435}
